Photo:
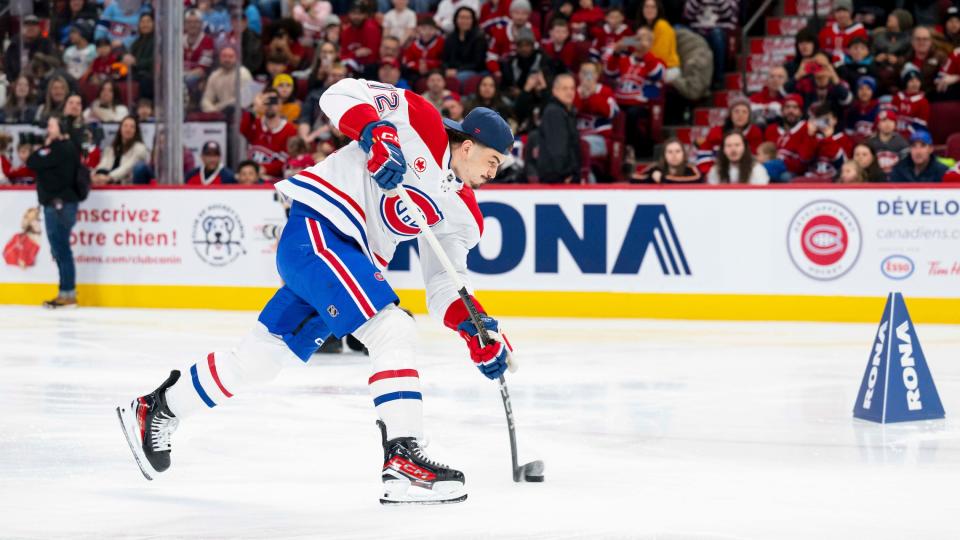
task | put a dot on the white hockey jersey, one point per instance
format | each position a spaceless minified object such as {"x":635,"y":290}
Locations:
{"x":342,"y":190}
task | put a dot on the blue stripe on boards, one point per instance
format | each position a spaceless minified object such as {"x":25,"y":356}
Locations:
{"x":333,"y":201}
{"x":396,"y":395}
{"x":196,"y":384}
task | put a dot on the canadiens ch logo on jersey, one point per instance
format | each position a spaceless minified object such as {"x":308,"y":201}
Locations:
{"x":400,"y":220}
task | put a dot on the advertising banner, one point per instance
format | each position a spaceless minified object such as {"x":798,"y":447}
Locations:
{"x":699,"y":252}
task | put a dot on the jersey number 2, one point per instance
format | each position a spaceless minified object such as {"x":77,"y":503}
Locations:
{"x":387,"y":101}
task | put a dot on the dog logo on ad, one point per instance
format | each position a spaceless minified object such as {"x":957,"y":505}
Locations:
{"x":218,"y":235}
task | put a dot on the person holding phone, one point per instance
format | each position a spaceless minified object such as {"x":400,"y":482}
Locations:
{"x":56,"y":164}
{"x":267,"y":131}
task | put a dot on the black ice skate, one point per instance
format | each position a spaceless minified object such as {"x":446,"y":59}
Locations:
{"x":148,"y":424}
{"x":410,"y":477}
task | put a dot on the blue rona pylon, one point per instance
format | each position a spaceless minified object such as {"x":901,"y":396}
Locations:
{"x":897,"y":386}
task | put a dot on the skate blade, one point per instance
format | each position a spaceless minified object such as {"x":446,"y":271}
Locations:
{"x":390,"y":502}
{"x":128,"y":426}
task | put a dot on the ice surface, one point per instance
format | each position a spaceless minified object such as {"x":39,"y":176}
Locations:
{"x":649,"y":429}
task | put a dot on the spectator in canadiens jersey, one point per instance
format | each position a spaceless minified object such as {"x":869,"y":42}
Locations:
{"x":559,"y":47}
{"x":613,"y":30}
{"x":767,"y":103}
{"x":639,"y":80}
{"x":267,"y":133}
{"x":795,"y":138}
{"x":360,"y":39}
{"x":558,"y":159}
{"x":738,"y":120}
{"x":913,"y":109}
{"x":664,"y":38}
{"x":714,"y":20}
{"x":426,"y":52}
{"x":887,"y":144}
{"x":673,"y":167}
{"x":861,"y":116}
{"x":924,"y":57}
{"x":503,"y":39}
{"x":949,"y":76}
{"x":586,"y":17}
{"x":464,"y":49}
{"x":735,"y":164}
{"x":212,"y":171}
{"x":835,"y":38}
{"x":596,"y":108}
{"x":833,"y":145}
{"x":920,"y":165}
{"x":198,"y":49}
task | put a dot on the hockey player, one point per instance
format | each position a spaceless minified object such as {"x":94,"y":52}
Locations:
{"x":345,"y":223}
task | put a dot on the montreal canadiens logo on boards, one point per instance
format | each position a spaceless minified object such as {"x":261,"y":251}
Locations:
{"x":401,"y":220}
{"x":824,"y":240}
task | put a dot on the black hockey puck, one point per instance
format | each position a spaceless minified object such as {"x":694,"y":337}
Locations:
{"x":528,"y":478}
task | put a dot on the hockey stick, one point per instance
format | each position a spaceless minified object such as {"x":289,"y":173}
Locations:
{"x":530,"y":472}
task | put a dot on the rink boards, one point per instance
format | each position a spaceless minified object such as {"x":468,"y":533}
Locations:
{"x":786,"y":253}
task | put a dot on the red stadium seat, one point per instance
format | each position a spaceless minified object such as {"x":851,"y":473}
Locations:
{"x":470,"y":85}
{"x":947,"y":115}
{"x":205,"y":117}
{"x":453,"y":84}
{"x":302,"y":89}
{"x":953,"y":146}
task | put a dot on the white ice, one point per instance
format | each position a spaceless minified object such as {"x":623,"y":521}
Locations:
{"x":649,"y":429}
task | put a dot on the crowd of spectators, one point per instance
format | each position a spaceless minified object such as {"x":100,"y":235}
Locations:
{"x":580,"y":82}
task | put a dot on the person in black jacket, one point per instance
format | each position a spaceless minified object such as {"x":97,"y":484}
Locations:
{"x":56,"y":164}
{"x":465,"y":49}
{"x":558,"y":160}
{"x":921,"y":165}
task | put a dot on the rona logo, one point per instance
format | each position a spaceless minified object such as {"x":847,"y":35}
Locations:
{"x":897,"y":385}
{"x":649,"y":230}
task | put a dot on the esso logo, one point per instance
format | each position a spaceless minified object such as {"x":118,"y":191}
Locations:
{"x":401,"y":220}
{"x":420,"y":164}
{"x":897,"y":267}
{"x":824,"y":240}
